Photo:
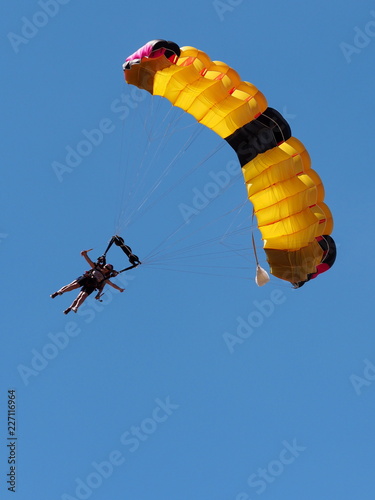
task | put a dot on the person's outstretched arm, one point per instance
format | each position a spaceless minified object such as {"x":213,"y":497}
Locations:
{"x":84,"y":254}
{"x":113,"y":285}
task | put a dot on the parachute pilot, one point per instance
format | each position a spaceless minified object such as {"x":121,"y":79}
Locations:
{"x":95,"y":279}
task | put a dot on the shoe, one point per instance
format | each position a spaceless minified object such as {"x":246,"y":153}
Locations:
{"x":55,"y":295}
{"x":67,"y":310}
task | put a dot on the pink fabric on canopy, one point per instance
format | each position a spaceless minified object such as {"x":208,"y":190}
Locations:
{"x":320,"y":269}
{"x":145,"y":51}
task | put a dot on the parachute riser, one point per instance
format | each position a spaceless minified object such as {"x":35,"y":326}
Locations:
{"x":130,"y":267}
{"x":118,"y":241}
{"x":261,"y":277}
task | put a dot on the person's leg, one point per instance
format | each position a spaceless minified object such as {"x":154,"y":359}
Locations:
{"x":67,"y":288}
{"x":78,"y":299}
{"x":81,"y":297}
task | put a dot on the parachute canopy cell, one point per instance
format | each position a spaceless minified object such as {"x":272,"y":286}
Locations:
{"x":286,"y":193}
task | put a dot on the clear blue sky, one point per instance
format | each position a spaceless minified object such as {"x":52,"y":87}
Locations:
{"x":142,"y":396}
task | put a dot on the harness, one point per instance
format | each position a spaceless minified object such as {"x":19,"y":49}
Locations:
{"x":101,"y":262}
